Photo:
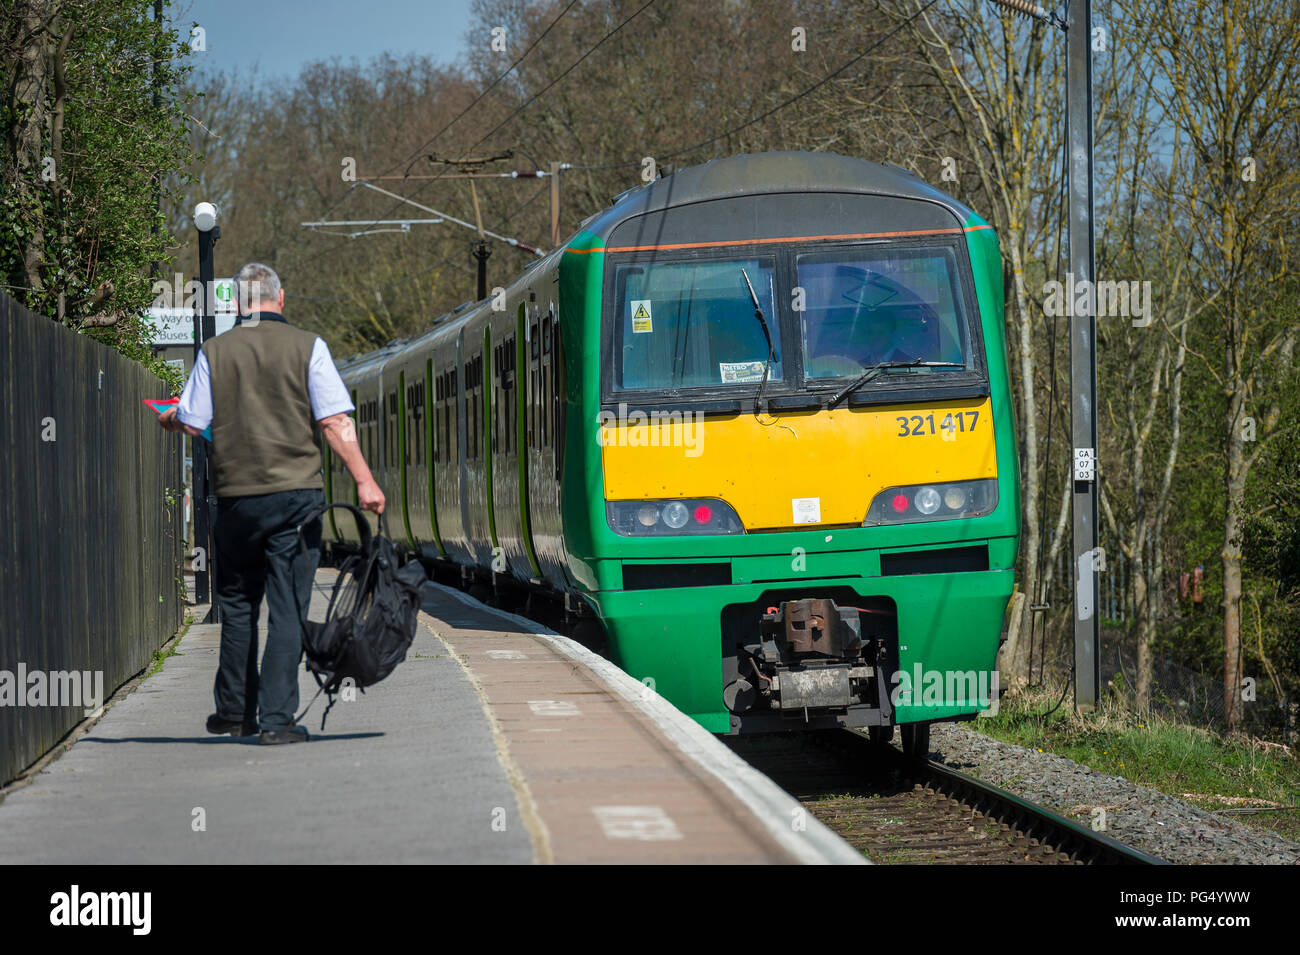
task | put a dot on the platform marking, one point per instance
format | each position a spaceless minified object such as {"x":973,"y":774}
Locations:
{"x":643,"y":823}
{"x":553,"y":708}
{"x":507,"y":655}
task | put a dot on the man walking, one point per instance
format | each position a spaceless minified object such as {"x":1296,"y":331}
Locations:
{"x":265,"y":387}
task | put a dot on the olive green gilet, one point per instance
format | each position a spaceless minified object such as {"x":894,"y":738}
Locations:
{"x":264,"y":435}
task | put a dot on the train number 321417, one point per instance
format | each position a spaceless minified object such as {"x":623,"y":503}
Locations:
{"x":916,"y":425}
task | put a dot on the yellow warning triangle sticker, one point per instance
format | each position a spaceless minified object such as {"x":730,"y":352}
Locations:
{"x":641,"y":312}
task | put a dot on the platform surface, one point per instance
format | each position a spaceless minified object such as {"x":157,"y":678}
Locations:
{"x":494,"y":742}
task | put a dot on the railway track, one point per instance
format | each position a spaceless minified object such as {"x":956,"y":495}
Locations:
{"x":908,"y":812}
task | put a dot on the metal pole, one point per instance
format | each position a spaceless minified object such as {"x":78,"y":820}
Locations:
{"x":555,"y":205}
{"x":482,"y":253}
{"x":198,"y":472}
{"x":1083,"y":355}
{"x":205,"y":502}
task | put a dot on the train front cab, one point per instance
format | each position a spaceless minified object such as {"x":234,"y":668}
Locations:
{"x":924,"y":598}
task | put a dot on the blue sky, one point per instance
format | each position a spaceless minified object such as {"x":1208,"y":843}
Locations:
{"x":280,"y":36}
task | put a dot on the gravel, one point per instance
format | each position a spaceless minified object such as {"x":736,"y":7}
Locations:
{"x":1158,"y":824}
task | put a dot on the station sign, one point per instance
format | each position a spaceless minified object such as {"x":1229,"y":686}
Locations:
{"x":174,"y":324}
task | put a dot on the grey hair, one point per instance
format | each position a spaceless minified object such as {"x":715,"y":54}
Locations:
{"x":255,"y":284}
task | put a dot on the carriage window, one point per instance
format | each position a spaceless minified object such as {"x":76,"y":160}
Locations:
{"x":510,"y":417}
{"x":879,"y":304}
{"x":692,"y":324}
{"x":390,"y":429}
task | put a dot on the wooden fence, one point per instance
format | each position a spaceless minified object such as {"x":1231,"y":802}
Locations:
{"x":90,"y":529}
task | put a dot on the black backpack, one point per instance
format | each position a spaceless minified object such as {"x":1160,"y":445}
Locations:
{"x":372,"y":614}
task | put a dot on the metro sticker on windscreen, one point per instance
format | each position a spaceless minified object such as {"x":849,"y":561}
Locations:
{"x":739,"y":372}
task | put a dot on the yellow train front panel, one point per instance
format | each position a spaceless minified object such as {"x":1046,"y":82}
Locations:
{"x":796,"y":469}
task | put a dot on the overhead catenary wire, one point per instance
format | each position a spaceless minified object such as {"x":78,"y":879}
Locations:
{"x":491,"y":86}
{"x":775,"y":109}
{"x":455,"y":119}
{"x":511,"y":116}
{"x":679,"y":152}
{"x":460,"y":222}
{"x":531,"y":99}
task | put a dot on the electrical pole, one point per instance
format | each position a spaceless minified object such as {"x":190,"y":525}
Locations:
{"x":1088,"y":559}
{"x":555,"y":204}
{"x":1088,"y":556}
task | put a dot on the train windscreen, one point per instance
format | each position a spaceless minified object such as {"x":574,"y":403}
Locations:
{"x":691,"y":324}
{"x":871,"y":305}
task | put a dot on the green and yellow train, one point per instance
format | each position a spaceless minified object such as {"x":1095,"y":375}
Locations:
{"x":753,"y":421}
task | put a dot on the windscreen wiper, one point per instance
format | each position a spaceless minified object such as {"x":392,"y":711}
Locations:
{"x":875,"y":371}
{"x":767,"y":333}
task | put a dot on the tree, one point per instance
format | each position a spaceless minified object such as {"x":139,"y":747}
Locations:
{"x":86,"y":149}
{"x":1233,"y":90}
{"x":1002,"y":84}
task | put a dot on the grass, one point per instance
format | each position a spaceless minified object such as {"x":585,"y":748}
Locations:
{"x":1201,"y":767}
{"x":161,"y":655}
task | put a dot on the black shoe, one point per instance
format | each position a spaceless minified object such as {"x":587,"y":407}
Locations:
{"x":291,"y":734}
{"x":234,"y":727}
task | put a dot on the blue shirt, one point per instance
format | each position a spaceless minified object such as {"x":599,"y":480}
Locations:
{"x":329,"y":396}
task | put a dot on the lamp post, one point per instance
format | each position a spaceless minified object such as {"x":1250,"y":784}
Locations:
{"x":205,"y":327}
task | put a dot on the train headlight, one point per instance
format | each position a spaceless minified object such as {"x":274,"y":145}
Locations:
{"x":926,"y":501}
{"x":676,"y":515}
{"x":933,"y":502}
{"x":664,"y":518}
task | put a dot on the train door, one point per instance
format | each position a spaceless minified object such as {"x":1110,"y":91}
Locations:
{"x":461,"y":405}
{"x":519,"y":424}
{"x":407,"y":442}
{"x":487,"y":434}
{"x":391,"y":437}
{"x":449,"y":480}
{"x":430,"y":395}
{"x":543,"y":490}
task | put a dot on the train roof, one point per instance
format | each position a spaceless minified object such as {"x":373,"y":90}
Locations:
{"x":771,"y":173}
{"x":359,"y":363}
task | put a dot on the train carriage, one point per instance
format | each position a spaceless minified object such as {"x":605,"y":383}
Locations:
{"x":755,"y":419}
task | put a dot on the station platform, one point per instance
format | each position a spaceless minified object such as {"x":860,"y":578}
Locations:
{"x":496,"y":741}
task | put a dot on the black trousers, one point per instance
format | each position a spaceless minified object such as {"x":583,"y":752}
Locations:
{"x":258,"y":555}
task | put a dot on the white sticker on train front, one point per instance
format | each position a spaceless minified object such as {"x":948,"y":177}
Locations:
{"x":807,"y":510}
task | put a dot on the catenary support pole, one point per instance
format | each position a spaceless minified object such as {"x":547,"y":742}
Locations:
{"x":555,"y":204}
{"x":1088,"y":559}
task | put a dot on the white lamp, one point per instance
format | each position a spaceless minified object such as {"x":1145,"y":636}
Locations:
{"x":205,"y":216}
